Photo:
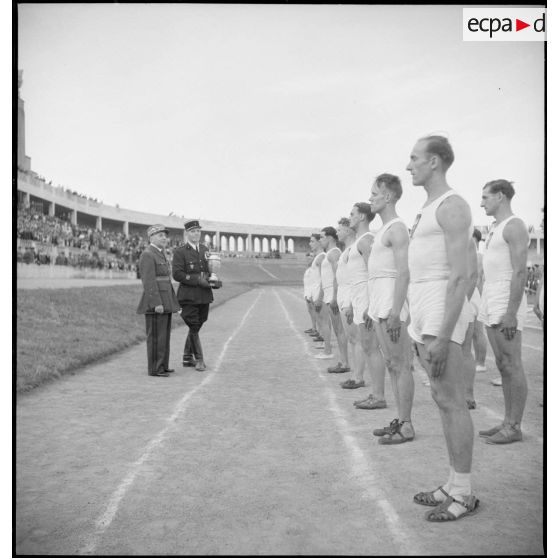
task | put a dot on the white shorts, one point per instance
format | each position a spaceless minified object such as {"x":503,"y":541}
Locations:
{"x":380,"y":294}
{"x":343,"y":296}
{"x":494,"y":303}
{"x":328,"y":294}
{"x":427,"y":303}
{"x":359,"y":300}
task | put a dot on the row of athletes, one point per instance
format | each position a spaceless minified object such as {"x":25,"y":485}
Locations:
{"x":386,"y":293}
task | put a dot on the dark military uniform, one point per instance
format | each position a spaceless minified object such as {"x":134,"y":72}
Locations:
{"x":154,"y":271}
{"x":188,"y":265}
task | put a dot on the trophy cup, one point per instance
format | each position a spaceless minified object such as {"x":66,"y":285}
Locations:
{"x":214,"y":264}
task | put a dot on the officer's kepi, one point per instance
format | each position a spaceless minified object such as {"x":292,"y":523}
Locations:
{"x":154,"y":229}
{"x":190,"y":225}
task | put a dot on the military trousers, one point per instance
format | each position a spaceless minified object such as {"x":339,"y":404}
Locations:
{"x":158,"y":328}
{"x":194,"y":315}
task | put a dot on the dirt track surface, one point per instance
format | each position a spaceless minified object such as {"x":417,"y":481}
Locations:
{"x":263,"y":453}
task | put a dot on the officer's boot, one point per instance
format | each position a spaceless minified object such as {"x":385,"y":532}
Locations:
{"x":198,"y":352}
{"x":188,"y":356}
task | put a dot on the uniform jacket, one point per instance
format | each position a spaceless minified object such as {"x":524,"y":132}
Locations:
{"x":187,"y":267}
{"x":154,"y":270}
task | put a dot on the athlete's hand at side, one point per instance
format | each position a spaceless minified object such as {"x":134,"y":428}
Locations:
{"x":437,"y":355}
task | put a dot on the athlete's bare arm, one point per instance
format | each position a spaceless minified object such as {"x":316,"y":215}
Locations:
{"x":397,"y":238}
{"x":333,"y":258}
{"x":516,"y":235}
{"x":454,"y":217}
{"x":480,"y":276}
{"x":364,"y":246}
{"x":319,"y":301}
{"x":473,"y":269}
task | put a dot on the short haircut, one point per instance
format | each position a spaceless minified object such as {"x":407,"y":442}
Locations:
{"x":330,"y":231}
{"x":344,"y":222}
{"x":390,"y":182}
{"x":365,"y":209}
{"x":501,"y":185}
{"x":477,"y":235}
{"x":440,"y":146}
{"x":315,"y":235}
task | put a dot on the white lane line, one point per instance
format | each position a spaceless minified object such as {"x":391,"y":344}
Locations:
{"x":361,"y":468}
{"x":268,"y":272}
{"x":106,"y":518}
{"x":540,"y":349}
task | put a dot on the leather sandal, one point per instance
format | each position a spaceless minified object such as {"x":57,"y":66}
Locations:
{"x":351,"y":384}
{"x":427,"y":498}
{"x":385,"y":429}
{"x":395,"y":436}
{"x":372,"y":403}
{"x":441,"y":513}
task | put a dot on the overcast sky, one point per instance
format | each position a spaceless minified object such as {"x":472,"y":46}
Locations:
{"x":273,"y":114}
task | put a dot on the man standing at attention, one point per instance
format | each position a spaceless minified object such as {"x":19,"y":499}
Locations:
{"x":346,"y":235}
{"x":307,"y":279}
{"x":504,"y":305}
{"x":438,"y":282}
{"x":191,"y":270}
{"x":322,"y":315}
{"x":357,"y":270}
{"x":158,"y":300}
{"x":388,"y":272}
{"x":328,"y":269}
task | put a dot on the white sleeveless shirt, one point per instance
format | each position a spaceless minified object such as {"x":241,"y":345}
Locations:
{"x":381,"y":262}
{"x":314,"y":280}
{"x":306,"y":282}
{"x":327,"y":270}
{"x":357,"y":270}
{"x":496,"y":261}
{"x":428,"y":258}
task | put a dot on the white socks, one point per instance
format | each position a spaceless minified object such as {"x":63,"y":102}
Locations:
{"x":461,"y":484}
{"x":447,"y":487}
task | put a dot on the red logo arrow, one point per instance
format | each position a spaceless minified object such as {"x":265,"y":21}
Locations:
{"x":519,"y":25}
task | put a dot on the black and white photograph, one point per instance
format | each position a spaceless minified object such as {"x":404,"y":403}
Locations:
{"x":279,"y":279}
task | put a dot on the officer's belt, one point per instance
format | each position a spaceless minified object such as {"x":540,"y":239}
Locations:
{"x":162,"y":278}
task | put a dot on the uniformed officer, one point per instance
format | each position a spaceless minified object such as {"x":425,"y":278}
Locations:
{"x":190,"y":268}
{"x":158,"y":300}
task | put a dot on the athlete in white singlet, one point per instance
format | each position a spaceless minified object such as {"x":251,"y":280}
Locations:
{"x":472,"y":304}
{"x":388,"y":279}
{"x":322,"y":317}
{"x":307,"y":278}
{"x":360,"y":218}
{"x":346,"y":235}
{"x":328,"y":241}
{"x":438,"y":280}
{"x":504,"y":305}
{"x":479,"y":336}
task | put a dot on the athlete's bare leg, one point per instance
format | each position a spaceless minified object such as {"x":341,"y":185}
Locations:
{"x":374,"y":360}
{"x":337,"y":325}
{"x":312,"y":312}
{"x":510,"y":365}
{"x":448,"y":391}
{"x":469,"y":367}
{"x":357,"y":356}
{"x":479,"y":344}
{"x":398,"y":361}
{"x":324,"y":327}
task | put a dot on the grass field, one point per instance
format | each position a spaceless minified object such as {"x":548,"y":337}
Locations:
{"x":61,"y":330}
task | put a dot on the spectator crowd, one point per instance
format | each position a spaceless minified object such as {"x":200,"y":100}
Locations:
{"x":96,"y":249}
